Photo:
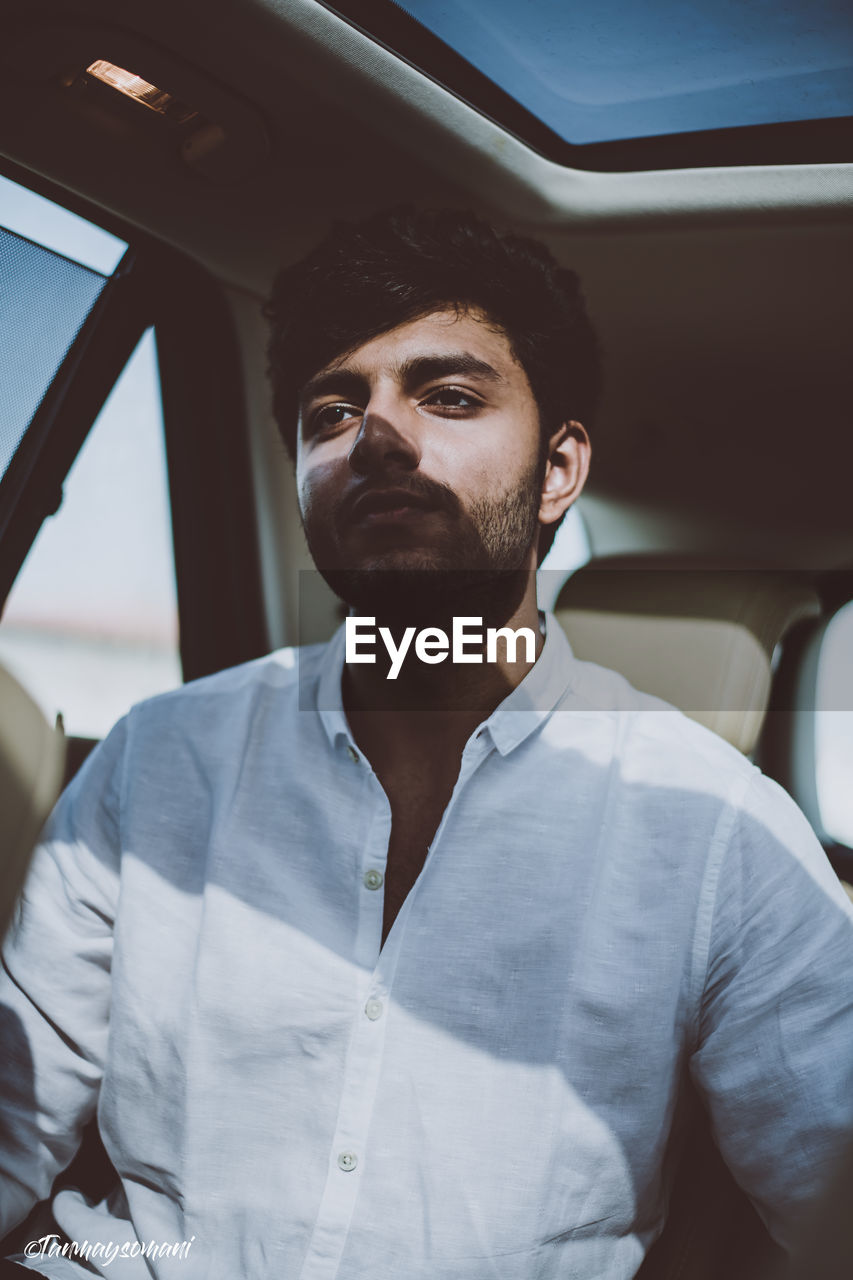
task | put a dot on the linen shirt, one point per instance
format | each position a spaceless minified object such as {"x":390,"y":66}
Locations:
{"x":614,"y":898}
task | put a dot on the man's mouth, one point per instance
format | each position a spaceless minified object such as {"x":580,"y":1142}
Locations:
{"x":382,"y":506}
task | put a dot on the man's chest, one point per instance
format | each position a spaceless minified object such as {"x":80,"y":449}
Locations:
{"x":525,"y":910}
{"x":417,"y":808}
{"x":475,"y":1065}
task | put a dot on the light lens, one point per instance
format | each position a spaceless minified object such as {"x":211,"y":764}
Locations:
{"x":133,"y":86}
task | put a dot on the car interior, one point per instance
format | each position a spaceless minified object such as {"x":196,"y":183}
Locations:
{"x":218,"y":144}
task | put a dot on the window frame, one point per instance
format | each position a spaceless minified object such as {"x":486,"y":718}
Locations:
{"x":221,"y":612}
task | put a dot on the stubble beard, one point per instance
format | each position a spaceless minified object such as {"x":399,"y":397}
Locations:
{"x":484,"y":572}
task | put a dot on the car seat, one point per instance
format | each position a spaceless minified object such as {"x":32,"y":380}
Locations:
{"x":32,"y":756}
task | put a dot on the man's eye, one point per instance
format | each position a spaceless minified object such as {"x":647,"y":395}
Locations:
{"x":453,"y":398}
{"x":333,"y":415}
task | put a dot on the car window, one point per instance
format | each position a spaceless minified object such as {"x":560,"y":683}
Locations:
{"x":834,"y":728}
{"x":90,"y":625}
{"x":45,"y":301}
{"x":53,"y":266}
{"x":53,"y":227}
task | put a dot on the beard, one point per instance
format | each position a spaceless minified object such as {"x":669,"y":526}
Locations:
{"x":479,"y":568}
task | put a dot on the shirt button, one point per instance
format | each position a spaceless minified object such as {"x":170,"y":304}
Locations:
{"x":373,"y":1009}
{"x":347,"y":1161}
{"x":353,"y":754}
{"x":373,"y":879}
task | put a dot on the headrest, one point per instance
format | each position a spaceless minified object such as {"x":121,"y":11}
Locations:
{"x":699,"y":636}
{"x":31,"y":761}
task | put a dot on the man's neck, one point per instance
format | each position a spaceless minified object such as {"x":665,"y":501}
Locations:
{"x":427,"y":714}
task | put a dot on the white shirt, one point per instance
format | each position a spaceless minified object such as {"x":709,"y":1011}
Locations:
{"x":614,"y":897}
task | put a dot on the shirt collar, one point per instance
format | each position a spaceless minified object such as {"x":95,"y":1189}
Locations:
{"x":533,"y":701}
{"x":513,"y":720}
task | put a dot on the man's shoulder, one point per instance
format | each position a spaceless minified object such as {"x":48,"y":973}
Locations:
{"x":675,"y":774}
{"x":654,"y":739}
{"x":284,"y":671}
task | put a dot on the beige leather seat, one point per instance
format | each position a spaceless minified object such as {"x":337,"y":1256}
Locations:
{"x":32,"y":755}
{"x":697,"y":635}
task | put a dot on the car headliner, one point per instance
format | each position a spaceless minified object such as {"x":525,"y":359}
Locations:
{"x":723,"y":296}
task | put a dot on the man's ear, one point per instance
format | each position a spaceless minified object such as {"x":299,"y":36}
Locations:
{"x":566,"y":470}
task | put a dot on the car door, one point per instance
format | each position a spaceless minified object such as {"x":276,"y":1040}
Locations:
{"x":127,"y":551}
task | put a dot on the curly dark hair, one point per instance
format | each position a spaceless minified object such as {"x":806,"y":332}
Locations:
{"x":368,"y":277}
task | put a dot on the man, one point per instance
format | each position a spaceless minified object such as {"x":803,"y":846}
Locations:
{"x":399,"y":968}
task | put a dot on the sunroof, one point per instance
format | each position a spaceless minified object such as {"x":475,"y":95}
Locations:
{"x":619,"y":69}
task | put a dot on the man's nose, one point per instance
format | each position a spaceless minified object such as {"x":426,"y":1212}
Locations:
{"x":380,"y":446}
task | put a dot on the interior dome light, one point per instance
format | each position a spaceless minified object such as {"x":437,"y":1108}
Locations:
{"x":133,"y":86}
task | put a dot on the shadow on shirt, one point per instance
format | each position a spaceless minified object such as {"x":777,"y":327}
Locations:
{"x":586,"y":887}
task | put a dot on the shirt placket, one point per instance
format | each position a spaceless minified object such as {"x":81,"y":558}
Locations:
{"x":365,"y":1049}
{"x":367,"y":1041}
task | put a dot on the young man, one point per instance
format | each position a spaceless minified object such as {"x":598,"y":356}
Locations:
{"x":404,"y":977}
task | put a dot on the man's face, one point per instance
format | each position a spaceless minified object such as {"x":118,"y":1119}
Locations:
{"x":420,"y":451}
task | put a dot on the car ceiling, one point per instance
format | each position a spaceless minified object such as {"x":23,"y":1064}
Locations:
{"x":723,"y":296}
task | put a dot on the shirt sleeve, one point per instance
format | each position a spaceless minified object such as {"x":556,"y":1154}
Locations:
{"x":55,"y":984}
{"x":774,"y":1056}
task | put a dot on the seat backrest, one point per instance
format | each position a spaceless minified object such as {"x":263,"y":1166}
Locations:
{"x":31,"y":762}
{"x":698,"y":635}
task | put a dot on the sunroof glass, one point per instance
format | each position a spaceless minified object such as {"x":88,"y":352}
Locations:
{"x":618,"y":69}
